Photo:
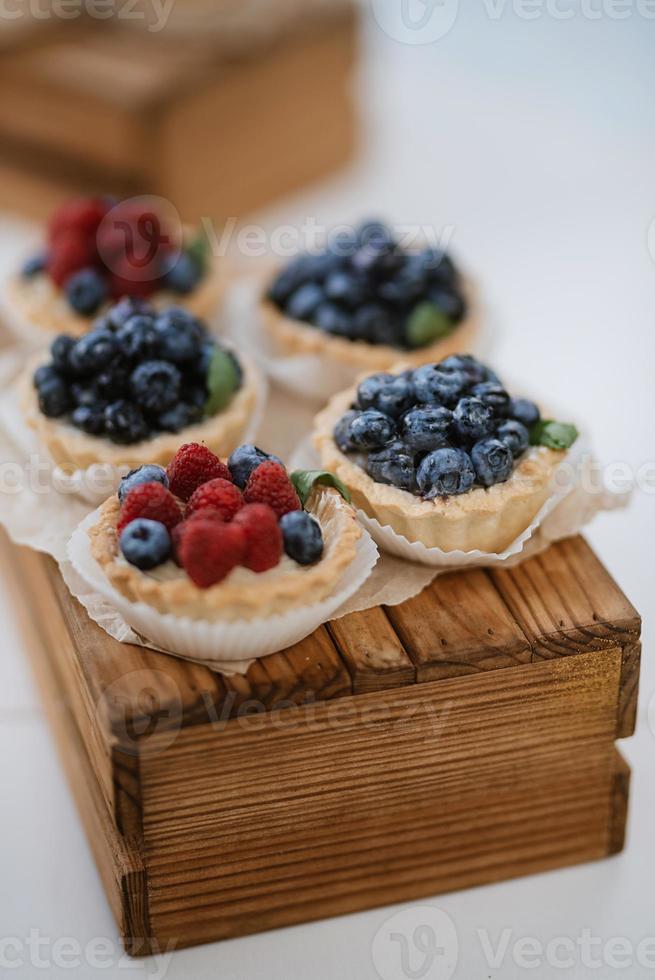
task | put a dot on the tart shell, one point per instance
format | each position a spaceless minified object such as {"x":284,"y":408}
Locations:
{"x":73,"y":449}
{"x":243,"y":594}
{"x":484,"y":519}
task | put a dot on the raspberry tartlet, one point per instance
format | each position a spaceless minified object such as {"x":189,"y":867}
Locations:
{"x":365,"y":301}
{"x":442,"y":454}
{"x":224,"y":540}
{"x":92,"y":256}
{"x":127,"y":389}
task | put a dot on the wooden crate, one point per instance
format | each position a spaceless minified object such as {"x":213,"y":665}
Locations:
{"x":218,"y":131}
{"x":464,"y":737}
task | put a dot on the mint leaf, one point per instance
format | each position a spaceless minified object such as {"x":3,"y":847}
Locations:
{"x":305,"y":480}
{"x":555,"y":435}
{"x":425,"y":324}
{"x":198,"y":249}
{"x":222,"y":381}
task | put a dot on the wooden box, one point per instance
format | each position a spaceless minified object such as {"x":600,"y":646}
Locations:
{"x":464,"y":737}
{"x":220,"y":125}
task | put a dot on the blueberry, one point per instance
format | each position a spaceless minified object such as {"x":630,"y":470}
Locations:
{"x":433,"y":385}
{"x":178,"y":417}
{"x":377,"y":259}
{"x":93,"y":352}
{"x":374,"y":232}
{"x":137,"y":337}
{"x":473,"y":419}
{"x":113,"y":382}
{"x":86,"y":291}
{"x":126,"y":308}
{"x":180,"y":336}
{"x":303,"y":303}
{"x":451,"y":303}
{"x":493,"y":395}
{"x":493,"y":461}
{"x":387,"y":393}
{"x":394,"y":465}
{"x":343,"y":287}
{"x":425,"y":429}
{"x":54,"y":397}
{"x":341,"y":431}
{"x":89,"y":418}
{"x":155,"y":385}
{"x":469,"y":365}
{"x":515,"y":435}
{"x":244,"y":460}
{"x":377,"y":325}
{"x":371,"y":430}
{"x":445,"y":472}
{"x":329,"y":318}
{"x":185,"y":274}
{"x":289,"y":280}
{"x":43,"y":374}
{"x":524,"y":411}
{"x":60,"y":352}
{"x":148,"y":473}
{"x":407,"y":285}
{"x":84,"y":394}
{"x":195,"y":396}
{"x":34,"y":265}
{"x":145,"y":543}
{"x":439,"y":267}
{"x":302,"y":535}
{"x":124,"y":423}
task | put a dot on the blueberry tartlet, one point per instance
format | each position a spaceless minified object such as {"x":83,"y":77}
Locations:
{"x":92,"y":256}
{"x":225,"y":540}
{"x":443,"y":454}
{"x":365,"y":301}
{"x":133,"y":383}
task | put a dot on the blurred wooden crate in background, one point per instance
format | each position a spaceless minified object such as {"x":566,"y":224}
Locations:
{"x":220,"y":125}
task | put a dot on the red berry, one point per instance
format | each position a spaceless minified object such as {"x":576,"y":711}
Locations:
{"x":263,"y":536}
{"x":204,"y":514}
{"x":151,"y":500}
{"x":70,"y":253}
{"x":269,"y":484}
{"x":82,"y":215}
{"x":219,"y":494}
{"x":192,"y":466}
{"x":209,"y":551}
{"x":128,"y":279}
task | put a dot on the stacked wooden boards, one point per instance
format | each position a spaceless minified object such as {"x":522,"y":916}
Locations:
{"x":463,"y":737}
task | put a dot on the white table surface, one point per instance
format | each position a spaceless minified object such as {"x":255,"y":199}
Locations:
{"x":535,"y":140}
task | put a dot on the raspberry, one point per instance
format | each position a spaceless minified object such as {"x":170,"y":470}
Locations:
{"x":269,"y":484}
{"x":209,"y":551}
{"x":82,"y":215}
{"x":127,"y":279}
{"x":219,"y":494}
{"x":70,"y":253}
{"x":191,"y":466}
{"x":204,"y":514}
{"x":151,"y":500}
{"x":263,"y":536}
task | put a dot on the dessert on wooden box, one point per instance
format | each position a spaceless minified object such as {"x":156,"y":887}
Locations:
{"x":463,"y":737}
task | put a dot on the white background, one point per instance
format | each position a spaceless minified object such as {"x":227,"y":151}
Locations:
{"x":535,"y":140}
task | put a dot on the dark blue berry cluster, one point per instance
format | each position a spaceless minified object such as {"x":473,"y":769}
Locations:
{"x":437,"y":430}
{"x":365,"y":287}
{"x":136,"y":373}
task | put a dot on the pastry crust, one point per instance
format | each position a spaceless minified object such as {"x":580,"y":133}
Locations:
{"x":485,"y":519}
{"x":243,"y":594}
{"x":296,"y":337}
{"x":73,"y":449}
{"x":40,"y":302}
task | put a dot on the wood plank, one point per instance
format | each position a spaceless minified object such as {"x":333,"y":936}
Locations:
{"x":629,"y":692}
{"x":459,"y":625}
{"x":620,"y":792}
{"x":372,"y":651}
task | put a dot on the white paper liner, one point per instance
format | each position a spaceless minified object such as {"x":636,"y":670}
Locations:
{"x":310,"y":376}
{"x":20,"y":445}
{"x":221,"y":646}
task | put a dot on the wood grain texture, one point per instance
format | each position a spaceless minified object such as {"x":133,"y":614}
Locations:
{"x":620,"y":792}
{"x":372,"y":651}
{"x":459,"y":625}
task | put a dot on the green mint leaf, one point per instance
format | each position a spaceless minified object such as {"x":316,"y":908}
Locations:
{"x":198,"y":248}
{"x":222,"y":381}
{"x":305,"y":480}
{"x":425,"y":324}
{"x":555,"y":435}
